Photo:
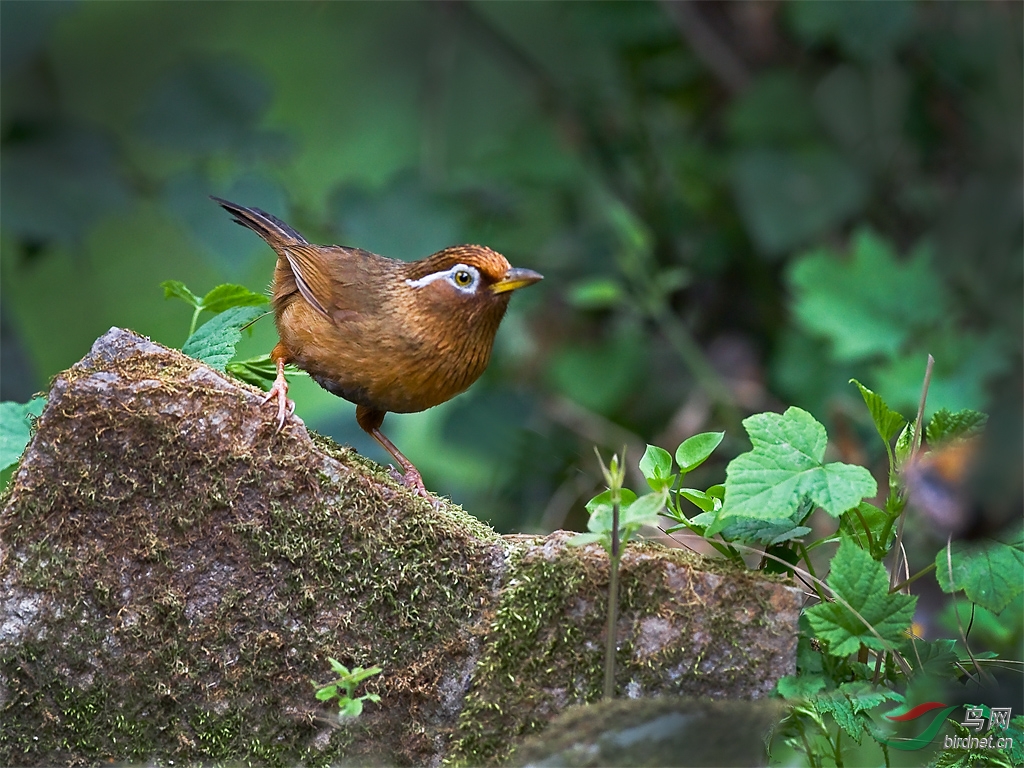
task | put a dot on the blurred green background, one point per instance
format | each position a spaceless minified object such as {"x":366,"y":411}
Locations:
{"x":737,"y":206}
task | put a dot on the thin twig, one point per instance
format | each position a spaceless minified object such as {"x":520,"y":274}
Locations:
{"x":708,"y":45}
{"x":914,"y":447}
{"x":963,"y":635}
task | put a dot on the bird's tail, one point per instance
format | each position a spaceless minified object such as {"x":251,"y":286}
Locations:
{"x":270,"y":228}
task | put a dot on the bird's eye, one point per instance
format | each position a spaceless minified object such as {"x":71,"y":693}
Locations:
{"x":463,"y":278}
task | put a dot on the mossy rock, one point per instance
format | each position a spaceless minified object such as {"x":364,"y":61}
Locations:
{"x":175,"y":574}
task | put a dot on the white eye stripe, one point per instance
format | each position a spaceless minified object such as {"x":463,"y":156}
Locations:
{"x":453,"y":275}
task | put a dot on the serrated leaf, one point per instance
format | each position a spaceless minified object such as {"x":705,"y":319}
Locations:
{"x":800,"y":686}
{"x":177,"y":289}
{"x":864,"y":696}
{"x":990,"y":573}
{"x":863,"y":583}
{"x":656,"y":464}
{"x":228,"y":295}
{"x":936,"y":658}
{"x":870,"y":303}
{"x":338,"y":667}
{"x":214,"y":342}
{"x":16,"y":428}
{"x":904,"y":444}
{"x":785,"y":466}
{"x":887,"y":422}
{"x":770,"y":532}
{"x":835,"y":703}
{"x":945,"y":425}
{"x":876,"y":520}
{"x":694,"y":451}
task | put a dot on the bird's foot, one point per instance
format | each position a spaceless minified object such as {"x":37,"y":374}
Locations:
{"x":411,"y":479}
{"x":284,"y":405}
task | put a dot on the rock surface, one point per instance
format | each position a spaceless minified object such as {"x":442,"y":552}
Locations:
{"x":174,"y":575}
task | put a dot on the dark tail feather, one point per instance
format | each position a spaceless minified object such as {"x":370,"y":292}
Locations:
{"x":270,"y":228}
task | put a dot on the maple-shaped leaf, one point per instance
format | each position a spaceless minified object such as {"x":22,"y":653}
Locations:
{"x":859,"y":582}
{"x":786,"y":466}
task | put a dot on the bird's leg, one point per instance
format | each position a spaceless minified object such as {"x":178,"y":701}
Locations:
{"x":280,"y":388}
{"x":370,"y":420}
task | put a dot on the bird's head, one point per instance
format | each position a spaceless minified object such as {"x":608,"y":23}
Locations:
{"x":465,"y":279}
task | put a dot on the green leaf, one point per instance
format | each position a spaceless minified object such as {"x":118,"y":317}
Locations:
{"x":338,"y":667}
{"x":359,"y":674}
{"x":371,"y":697}
{"x":904,"y":444}
{"x":770,"y":532}
{"x":787,"y":198}
{"x":990,"y":573}
{"x":865,"y":31}
{"x":350,"y":708}
{"x":596,"y":293}
{"x":876,"y":520}
{"x":228,"y":295}
{"x":600,"y":509}
{"x":887,"y":421}
{"x":591,"y":537}
{"x":643,"y":511}
{"x":259,"y":371}
{"x":835,"y":703}
{"x":694,"y":451}
{"x":785,"y":466}
{"x":800,"y":686}
{"x":863,"y":583}
{"x":327,"y":693}
{"x":656,"y":462}
{"x":703,"y":501}
{"x":176,"y":289}
{"x":656,"y":466}
{"x":869,"y":304}
{"x":936,"y":658}
{"x":945,"y":425}
{"x":16,"y":428}
{"x":214,"y":343}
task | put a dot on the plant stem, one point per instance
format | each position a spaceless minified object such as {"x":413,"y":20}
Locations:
{"x":195,"y":319}
{"x":907,"y":582}
{"x":613,"y":607}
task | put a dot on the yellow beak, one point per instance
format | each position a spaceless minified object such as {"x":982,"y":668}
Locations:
{"x":516,"y":278}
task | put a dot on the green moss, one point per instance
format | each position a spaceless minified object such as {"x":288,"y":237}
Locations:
{"x":544,"y":650}
{"x":227,"y":570}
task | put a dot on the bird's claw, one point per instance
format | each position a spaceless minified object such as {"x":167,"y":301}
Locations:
{"x":411,"y":479}
{"x":285,"y":407}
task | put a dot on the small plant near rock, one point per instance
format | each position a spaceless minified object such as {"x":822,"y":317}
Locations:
{"x":344,"y":689}
{"x":858,"y":654}
{"x":617,"y":515}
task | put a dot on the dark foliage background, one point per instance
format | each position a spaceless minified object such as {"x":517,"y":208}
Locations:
{"x":738,"y":206}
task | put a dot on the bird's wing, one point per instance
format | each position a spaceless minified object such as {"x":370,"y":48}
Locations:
{"x":339,"y":282}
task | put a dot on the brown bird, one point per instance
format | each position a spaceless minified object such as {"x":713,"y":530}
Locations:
{"x":385,"y":334}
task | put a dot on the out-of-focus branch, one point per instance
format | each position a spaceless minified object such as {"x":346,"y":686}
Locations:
{"x":708,"y":44}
